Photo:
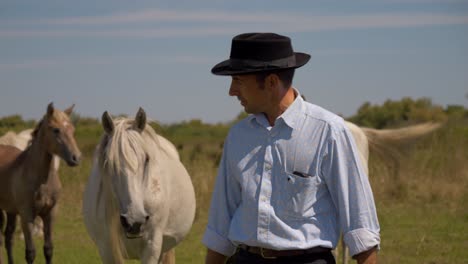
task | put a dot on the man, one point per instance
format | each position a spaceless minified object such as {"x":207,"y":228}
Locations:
{"x":290,"y":178}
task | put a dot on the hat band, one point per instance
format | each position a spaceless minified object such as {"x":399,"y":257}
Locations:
{"x":256,"y":64}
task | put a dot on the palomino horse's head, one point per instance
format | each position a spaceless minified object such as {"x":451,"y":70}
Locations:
{"x":127,"y":158}
{"x":56,"y":132}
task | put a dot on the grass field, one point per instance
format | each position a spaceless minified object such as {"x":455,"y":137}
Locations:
{"x":421,"y":195}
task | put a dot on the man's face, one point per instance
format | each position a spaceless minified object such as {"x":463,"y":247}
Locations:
{"x":252,"y":96}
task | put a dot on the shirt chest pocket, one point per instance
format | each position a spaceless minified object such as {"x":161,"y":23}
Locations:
{"x":299,"y":194}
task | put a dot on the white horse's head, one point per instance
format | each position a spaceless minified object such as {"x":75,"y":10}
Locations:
{"x":128,"y":157}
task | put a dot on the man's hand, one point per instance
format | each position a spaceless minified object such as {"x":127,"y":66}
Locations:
{"x":213,"y":257}
{"x":367,"y":257}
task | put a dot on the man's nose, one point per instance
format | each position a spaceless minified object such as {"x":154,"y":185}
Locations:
{"x":233,"y":90}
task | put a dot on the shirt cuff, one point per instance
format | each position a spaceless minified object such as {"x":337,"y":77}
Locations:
{"x":215,"y":242}
{"x":361,"y":240}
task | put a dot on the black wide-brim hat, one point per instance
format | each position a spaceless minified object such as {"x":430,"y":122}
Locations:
{"x":260,"y":52}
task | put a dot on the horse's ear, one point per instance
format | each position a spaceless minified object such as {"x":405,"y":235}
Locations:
{"x":50,"y":109}
{"x":107,"y":123}
{"x":69,"y":110}
{"x":140,"y":120}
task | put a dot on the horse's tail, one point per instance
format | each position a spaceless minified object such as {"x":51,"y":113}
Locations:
{"x":383,"y":141}
{"x":404,"y":134}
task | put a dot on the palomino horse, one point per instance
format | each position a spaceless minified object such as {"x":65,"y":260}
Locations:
{"x":139,"y":201}
{"x":28,"y":187}
{"x":21,"y":141}
{"x":366,"y":138}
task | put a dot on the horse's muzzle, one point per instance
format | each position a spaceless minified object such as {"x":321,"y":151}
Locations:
{"x":131,"y":230}
{"x":73,"y":160}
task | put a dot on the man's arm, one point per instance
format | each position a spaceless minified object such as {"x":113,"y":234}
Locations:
{"x":213,"y":257}
{"x":367,"y":257}
{"x":351,"y":192}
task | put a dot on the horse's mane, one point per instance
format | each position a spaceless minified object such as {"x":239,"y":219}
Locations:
{"x":125,"y":144}
{"x":59,"y":115}
{"x":36,"y":129}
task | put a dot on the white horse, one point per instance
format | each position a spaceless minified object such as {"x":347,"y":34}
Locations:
{"x":366,"y":138}
{"x":369,"y":137}
{"x":20,"y":140}
{"x":139,"y":202}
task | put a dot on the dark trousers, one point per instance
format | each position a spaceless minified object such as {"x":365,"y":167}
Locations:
{"x":245,"y":257}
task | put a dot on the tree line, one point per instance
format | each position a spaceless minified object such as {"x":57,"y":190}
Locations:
{"x":390,"y":114}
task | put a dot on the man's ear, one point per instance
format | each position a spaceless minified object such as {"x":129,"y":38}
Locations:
{"x":272,"y":81}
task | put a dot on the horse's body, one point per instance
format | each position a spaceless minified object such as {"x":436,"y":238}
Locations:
{"x":366,"y":138}
{"x":139,"y":201}
{"x":29,"y":184}
{"x":21,"y":141}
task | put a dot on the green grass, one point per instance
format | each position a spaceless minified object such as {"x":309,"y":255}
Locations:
{"x":411,"y":233}
{"x":415,"y":233}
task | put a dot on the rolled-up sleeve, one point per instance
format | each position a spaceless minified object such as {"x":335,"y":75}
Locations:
{"x":224,"y":202}
{"x":350,"y":191}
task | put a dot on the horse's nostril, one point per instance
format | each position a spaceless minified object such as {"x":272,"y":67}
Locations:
{"x":124,"y":222}
{"x":147,"y":218}
{"x":76,"y":158}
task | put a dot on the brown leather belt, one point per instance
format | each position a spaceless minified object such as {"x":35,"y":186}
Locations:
{"x":271,"y":253}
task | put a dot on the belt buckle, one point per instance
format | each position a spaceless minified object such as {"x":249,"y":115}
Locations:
{"x":264,"y":256}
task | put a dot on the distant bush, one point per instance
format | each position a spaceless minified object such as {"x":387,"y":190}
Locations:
{"x":194,"y":131}
{"x":14,"y":123}
{"x":456,"y":111}
{"x":401,"y":113}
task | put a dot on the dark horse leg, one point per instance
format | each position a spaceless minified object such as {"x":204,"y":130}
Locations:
{"x":47,"y":219}
{"x":2,"y":219}
{"x":9,"y":231}
{"x":27,"y":224}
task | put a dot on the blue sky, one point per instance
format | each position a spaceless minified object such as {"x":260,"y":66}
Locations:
{"x":119,"y":55}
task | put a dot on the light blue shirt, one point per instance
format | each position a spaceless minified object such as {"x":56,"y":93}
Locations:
{"x":294,"y":185}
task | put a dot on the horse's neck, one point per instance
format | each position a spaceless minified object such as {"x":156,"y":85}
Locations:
{"x":39,"y":161}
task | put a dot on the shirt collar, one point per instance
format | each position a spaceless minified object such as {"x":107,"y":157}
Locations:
{"x":293,"y":112}
{"x":290,"y":117}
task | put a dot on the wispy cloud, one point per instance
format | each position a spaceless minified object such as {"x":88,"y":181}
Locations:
{"x":172,"y":23}
{"x":142,"y":33}
{"x":33,"y":64}
{"x":422,"y":1}
{"x":154,"y":15}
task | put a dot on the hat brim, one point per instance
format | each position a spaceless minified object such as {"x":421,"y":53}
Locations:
{"x":225,"y":67}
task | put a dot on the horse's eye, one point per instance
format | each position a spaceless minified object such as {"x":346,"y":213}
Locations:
{"x":56,"y":131}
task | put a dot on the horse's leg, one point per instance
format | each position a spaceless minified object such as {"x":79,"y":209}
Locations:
{"x":169,"y":257}
{"x":27,"y":224}
{"x":152,"y":250}
{"x":9,"y":235}
{"x":2,"y":220}
{"x":47,"y":220}
{"x":345,"y":253}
